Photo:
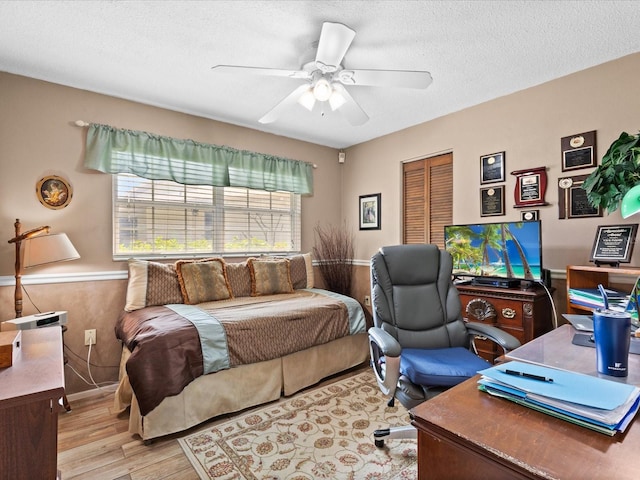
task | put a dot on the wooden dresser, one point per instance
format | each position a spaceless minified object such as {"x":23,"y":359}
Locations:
{"x":524,"y":313}
{"x":30,"y":394}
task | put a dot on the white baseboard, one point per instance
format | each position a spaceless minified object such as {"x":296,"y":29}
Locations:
{"x":93,"y":392}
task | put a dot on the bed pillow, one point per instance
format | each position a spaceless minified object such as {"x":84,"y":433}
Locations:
{"x":151,"y":283}
{"x":301,"y":271}
{"x":239,"y":278}
{"x":269,"y":276}
{"x":203,"y":280}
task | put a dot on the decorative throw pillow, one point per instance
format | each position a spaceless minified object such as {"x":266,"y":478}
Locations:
{"x":300,"y":269}
{"x":269,"y":276}
{"x":203,"y":280}
{"x":151,"y":283}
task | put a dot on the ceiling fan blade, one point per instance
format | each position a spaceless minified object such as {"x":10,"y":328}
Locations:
{"x":386,"y":78}
{"x":275,"y":72}
{"x":287,"y":102}
{"x":334,"y":42}
{"x":350,"y":109}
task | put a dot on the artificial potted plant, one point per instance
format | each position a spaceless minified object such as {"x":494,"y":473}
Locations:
{"x":618,"y":172}
{"x":334,"y":251}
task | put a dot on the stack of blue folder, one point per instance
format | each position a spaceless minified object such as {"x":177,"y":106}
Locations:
{"x":605,"y":406}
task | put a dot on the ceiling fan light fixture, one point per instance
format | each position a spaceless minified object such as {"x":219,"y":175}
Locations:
{"x":336,"y":100}
{"x":322,"y":90}
{"x":307,"y":99}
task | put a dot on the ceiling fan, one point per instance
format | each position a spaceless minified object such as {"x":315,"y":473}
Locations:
{"x":326,"y":78}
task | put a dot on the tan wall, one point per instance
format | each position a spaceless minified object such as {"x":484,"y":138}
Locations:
{"x":528,"y":126}
{"x":38,"y":137}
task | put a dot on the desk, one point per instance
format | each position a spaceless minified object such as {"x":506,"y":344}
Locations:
{"x":465,"y":433}
{"x":30,"y":391}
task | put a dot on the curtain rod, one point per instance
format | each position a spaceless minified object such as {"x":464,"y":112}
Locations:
{"x":82,"y":123}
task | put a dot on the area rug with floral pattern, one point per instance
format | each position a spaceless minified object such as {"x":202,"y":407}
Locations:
{"x":322,"y":433}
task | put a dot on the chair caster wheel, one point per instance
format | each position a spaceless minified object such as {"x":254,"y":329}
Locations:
{"x":379,"y":443}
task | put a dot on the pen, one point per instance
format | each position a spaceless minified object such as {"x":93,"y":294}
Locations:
{"x":528,"y":375}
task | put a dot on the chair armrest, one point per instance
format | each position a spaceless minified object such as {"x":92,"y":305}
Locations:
{"x":388,"y":345}
{"x":387,"y":369}
{"x":507,"y":341}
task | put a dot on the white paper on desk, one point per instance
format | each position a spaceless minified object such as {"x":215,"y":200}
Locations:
{"x":567,"y":386}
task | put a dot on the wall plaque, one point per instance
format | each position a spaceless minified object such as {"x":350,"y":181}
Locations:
{"x":529,"y":215}
{"x":572,"y":199}
{"x":492,"y":168}
{"x":578,"y":151}
{"x":531,"y":185}
{"x":614,"y":244}
{"x":492,"y":201}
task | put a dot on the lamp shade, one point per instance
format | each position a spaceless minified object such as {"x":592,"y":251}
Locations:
{"x":322,"y":90}
{"x":48,"y":249}
{"x":307,"y":100}
{"x":630,"y":202}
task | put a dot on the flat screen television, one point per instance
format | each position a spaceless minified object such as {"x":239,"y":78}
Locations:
{"x":508,"y":250}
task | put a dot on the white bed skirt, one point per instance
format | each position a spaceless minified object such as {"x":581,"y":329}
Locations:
{"x":240,"y":387}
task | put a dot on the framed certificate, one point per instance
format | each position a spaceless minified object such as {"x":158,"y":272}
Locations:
{"x":492,"y":168}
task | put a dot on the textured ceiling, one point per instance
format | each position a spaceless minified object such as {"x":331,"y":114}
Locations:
{"x":161,"y":53}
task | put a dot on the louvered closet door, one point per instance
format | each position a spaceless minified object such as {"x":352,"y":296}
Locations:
{"x":427,"y":199}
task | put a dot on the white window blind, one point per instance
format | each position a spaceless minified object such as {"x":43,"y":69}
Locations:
{"x":160,"y":218}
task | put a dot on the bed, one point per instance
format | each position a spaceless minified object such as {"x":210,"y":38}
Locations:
{"x":202,"y":338}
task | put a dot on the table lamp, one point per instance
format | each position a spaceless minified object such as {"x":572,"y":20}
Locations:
{"x":40,"y":248}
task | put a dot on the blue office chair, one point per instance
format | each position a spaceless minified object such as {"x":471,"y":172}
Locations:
{"x":419,"y":344}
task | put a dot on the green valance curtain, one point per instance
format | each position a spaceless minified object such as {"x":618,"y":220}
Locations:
{"x":114,"y":150}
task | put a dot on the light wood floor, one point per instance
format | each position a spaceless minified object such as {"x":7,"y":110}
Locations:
{"x":93,"y":443}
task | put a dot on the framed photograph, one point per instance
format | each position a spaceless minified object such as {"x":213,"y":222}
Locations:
{"x":54,"y":192}
{"x":492,"y":201}
{"x":370,"y":212}
{"x":572,"y":199}
{"x":529,"y":215}
{"x":578,"y":151}
{"x":614,"y":243}
{"x":492,"y":168}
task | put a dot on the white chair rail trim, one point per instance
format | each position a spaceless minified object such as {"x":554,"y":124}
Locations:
{"x":40,"y":279}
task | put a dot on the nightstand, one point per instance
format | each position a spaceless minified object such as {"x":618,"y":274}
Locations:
{"x":30,"y":393}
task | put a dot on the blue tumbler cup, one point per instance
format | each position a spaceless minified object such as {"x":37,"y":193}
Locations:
{"x":612,"y":334}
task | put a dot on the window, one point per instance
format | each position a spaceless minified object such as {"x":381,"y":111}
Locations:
{"x":160,"y":218}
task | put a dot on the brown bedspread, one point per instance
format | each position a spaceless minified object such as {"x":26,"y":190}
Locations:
{"x":165,"y":347}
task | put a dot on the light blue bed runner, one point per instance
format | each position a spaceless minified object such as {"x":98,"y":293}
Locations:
{"x":357,"y":323}
{"x":213,"y":339}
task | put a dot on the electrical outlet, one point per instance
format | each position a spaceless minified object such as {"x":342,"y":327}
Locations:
{"x":367,"y":300}
{"x":90,"y":337}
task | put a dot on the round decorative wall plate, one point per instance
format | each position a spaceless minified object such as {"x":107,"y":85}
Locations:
{"x":54,"y":192}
